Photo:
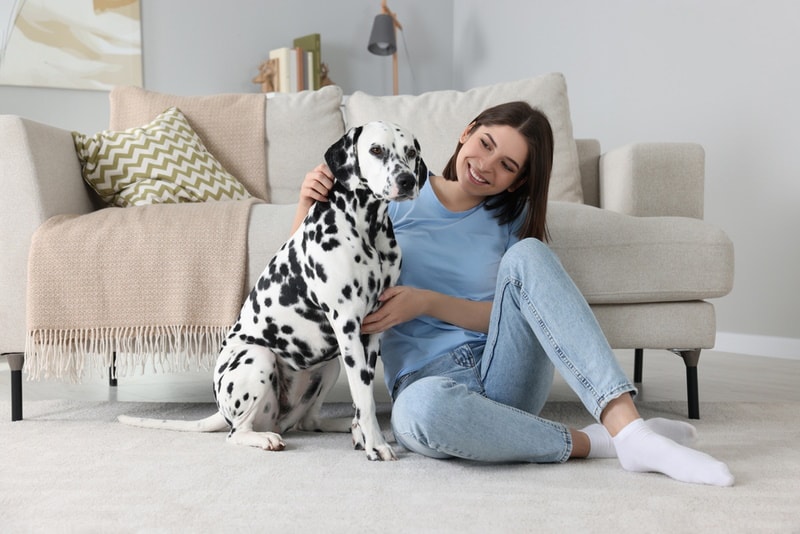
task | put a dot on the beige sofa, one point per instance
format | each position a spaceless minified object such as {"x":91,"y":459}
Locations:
{"x":626,"y":224}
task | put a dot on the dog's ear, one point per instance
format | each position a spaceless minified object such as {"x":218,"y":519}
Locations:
{"x":421,"y":169}
{"x":342,"y":156}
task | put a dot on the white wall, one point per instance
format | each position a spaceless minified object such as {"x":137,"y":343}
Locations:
{"x":209,"y":46}
{"x":723,"y":73}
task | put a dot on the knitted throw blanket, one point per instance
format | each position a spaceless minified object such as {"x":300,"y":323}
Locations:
{"x":160,"y":284}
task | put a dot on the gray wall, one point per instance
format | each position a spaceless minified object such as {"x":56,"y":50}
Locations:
{"x":722,"y":73}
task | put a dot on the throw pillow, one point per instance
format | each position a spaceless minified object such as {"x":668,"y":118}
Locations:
{"x":161,"y":162}
{"x":300,"y":128}
{"x":437,"y":118}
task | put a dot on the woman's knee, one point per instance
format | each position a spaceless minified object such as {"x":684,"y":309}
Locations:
{"x":419,"y":411}
{"x":527,"y":255}
{"x":420,"y":403}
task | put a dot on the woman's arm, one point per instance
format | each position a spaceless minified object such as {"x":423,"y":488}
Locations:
{"x":403,"y":303}
{"x":315,"y":188}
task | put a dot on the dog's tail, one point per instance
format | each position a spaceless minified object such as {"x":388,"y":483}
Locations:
{"x":212,"y":423}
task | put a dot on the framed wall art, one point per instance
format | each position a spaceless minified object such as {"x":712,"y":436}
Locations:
{"x":74,"y":44}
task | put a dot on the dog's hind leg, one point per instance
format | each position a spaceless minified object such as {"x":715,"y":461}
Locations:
{"x":248,"y":397}
{"x":323,"y":381}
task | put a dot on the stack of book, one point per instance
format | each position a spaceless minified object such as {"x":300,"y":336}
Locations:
{"x":297,"y":68}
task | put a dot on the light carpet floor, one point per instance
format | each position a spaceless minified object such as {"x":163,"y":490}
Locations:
{"x":70,"y":467}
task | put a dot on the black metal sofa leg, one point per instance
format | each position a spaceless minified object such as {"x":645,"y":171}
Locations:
{"x":691,"y":359}
{"x":112,"y":371}
{"x":15,"y":362}
{"x":638,"y":360}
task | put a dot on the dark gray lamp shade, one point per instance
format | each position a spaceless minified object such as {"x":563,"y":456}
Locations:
{"x":382,"y":40}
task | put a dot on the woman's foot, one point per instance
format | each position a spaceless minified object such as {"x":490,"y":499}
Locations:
{"x":602,"y":444}
{"x":640,"y":449}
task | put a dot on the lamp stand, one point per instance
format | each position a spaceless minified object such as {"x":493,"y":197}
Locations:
{"x":395,"y":78}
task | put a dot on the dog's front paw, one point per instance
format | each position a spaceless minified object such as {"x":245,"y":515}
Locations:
{"x":381,"y":453}
{"x":376,"y":448}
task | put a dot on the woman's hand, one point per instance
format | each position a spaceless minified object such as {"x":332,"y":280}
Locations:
{"x":398,"y":305}
{"x":315,"y":188}
{"x":316,"y":185}
{"x":403,"y":303}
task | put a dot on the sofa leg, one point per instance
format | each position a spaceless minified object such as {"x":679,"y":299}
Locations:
{"x":691,"y":359}
{"x":638,"y":359}
{"x":16,"y":360}
{"x":112,"y":371}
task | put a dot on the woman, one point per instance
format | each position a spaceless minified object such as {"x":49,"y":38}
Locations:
{"x":483,"y":314}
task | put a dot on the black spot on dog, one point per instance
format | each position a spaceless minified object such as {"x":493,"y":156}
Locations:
{"x":366,"y":377}
{"x":313,"y":389}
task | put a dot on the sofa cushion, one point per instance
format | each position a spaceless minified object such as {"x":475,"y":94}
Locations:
{"x":230,"y":125}
{"x":437,"y":119}
{"x":300,"y":128}
{"x":163,"y":161}
{"x":621,"y":259}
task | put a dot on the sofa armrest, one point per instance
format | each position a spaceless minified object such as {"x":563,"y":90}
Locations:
{"x":40,"y":177}
{"x":654,"y":179}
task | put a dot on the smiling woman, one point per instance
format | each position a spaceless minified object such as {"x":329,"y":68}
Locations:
{"x":78,"y":44}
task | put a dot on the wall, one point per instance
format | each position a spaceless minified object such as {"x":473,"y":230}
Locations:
{"x":207,"y":46}
{"x":723,"y":73}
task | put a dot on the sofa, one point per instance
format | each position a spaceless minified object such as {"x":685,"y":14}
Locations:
{"x":627,"y":225}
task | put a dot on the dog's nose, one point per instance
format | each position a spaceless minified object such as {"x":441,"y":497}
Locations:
{"x":406,"y":182}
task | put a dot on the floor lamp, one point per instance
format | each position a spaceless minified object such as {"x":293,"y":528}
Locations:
{"x":383,"y":38}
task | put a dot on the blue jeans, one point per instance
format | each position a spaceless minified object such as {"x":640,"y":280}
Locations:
{"x":480,"y":402}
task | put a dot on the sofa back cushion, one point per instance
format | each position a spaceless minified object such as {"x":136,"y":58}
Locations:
{"x":231,"y":126}
{"x":300,"y":128}
{"x":437,"y":119}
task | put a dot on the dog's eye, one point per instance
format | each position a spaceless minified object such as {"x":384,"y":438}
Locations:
{"x":412,"y":153}
{"x":376,"y":150}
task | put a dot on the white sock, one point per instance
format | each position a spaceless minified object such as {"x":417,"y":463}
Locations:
{"x":602,"y":445}
{"x":640,"y":449}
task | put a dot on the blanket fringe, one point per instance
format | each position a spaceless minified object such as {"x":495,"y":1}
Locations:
{"x":69,"y":354}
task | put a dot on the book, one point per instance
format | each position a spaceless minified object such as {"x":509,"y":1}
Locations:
{"x":283,"y":57}
{"x":312,"y":43}
{"x":300,"y":69}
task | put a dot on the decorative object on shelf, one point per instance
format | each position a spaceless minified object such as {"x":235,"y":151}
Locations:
{"x":324,"y":79}
{"x":267,"y":76}
{"x":383,"y":38}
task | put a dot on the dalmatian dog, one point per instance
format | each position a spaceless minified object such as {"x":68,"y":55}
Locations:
{"x":281,"y":357}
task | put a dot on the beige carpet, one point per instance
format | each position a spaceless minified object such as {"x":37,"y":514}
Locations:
{"x":69,"y":467}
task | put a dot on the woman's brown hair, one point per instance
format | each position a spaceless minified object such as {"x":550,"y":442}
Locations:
{"x":535,"y":172}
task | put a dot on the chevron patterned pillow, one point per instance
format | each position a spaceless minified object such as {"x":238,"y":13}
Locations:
{"x":161,"y":162}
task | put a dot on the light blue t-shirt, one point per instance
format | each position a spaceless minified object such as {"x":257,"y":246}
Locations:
{"x":454,"y":253}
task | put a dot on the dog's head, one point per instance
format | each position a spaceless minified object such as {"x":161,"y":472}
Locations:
{"x":381,"y":156}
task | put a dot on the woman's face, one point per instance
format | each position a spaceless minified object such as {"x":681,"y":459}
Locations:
{"x":490,"y":160}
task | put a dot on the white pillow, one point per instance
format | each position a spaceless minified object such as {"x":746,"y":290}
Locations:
{"x":437,"y":118}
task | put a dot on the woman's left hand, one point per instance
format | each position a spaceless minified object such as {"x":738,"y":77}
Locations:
{"x":398,"y":305}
